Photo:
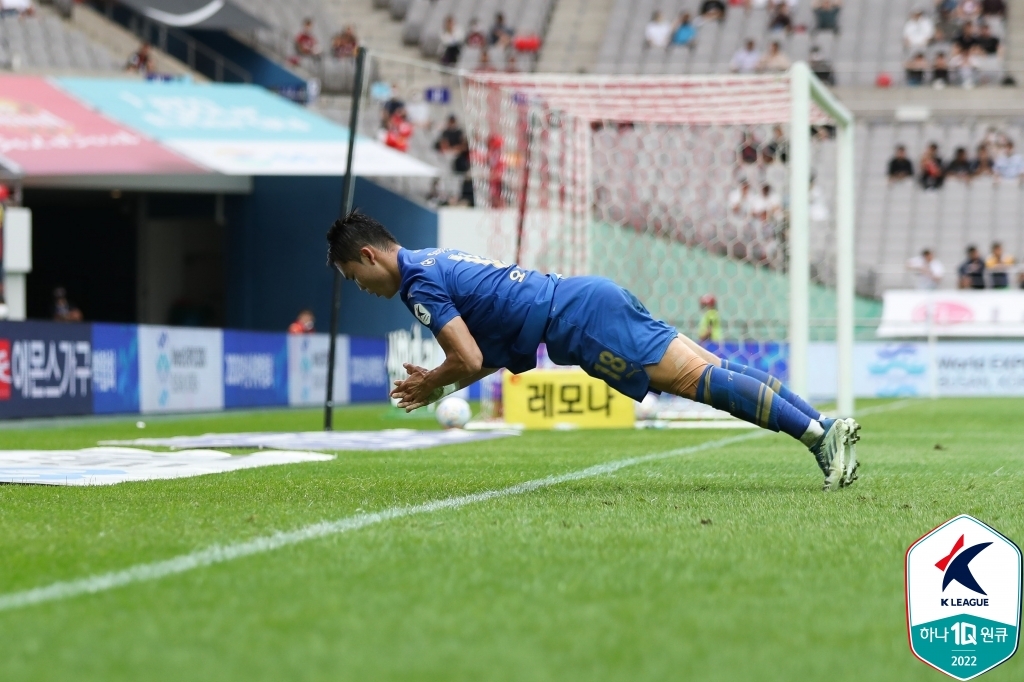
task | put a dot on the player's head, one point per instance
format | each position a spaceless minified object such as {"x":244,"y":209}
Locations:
{"x":708,"y":301}
{"x":364,"y":251}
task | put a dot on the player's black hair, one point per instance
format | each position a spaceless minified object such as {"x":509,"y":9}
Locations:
{"x":351,"y":233}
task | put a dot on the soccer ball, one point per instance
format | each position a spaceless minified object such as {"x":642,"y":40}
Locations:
{"x":648,"y":409}
{"x":453,"y":413}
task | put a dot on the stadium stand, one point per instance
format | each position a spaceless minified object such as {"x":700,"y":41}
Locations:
{"x":870,"y":42}
{"x":44,"y":41}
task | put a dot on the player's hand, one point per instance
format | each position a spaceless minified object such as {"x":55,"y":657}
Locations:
{"x":413,"y":392}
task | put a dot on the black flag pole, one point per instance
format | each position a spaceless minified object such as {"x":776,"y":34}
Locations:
{"x":347,"y":193}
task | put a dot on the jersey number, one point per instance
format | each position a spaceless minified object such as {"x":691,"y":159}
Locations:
{"x":610,"y":365}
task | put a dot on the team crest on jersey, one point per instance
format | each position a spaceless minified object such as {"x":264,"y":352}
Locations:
{"x":963,"y":598}
{"x":429,"y":261}
{"x":422,"y":314}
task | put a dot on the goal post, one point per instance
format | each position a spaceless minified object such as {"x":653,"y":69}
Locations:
{"x":682,"y":186}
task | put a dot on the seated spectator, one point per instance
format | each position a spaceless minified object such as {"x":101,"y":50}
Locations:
{"x":993,"y":8}
{"x":932,"y":173}
{"x":306,"y":43}
{"x":989,"y":51}
{"x":658,"y":32}
{"x":972,"y":271}
{"x":305,"y":323}
{"x":485,"y":65}
{"x":453,"y":144}
{"x":20,"y":8}
{"x":399,"y":131}
{"x":345,"y":44}
{"x":1009,"y":165}
{"x":780,"y":22}
{"x":916,"y":67}
{"x":900,"y":167}
{"x":982,"y":164}
{"x":712,"y":10}
{"x":748,"y":148}
{"x":960,"y":166}
{"x":826,"y":15}
{"x":918,"y":32}
{"x":778,"y":146}
{"x":739,"y":201}
{"x":947,"y":28}
{"x":968,"y":11}
{"x":475,"y":37}
{"x":821,"y":66}
{"x":775,"y":60}
{"x":946,"y":5}
{"x":766,"y":207}
{"x":928,"y":269}
{"x":966,"y":38}
{"x":140,"y":61}
{"x":746,"y":59}
{"x":988,"y":42}
{"x":998,"y":265}
{"x":64,"y":310}
{"x":501,"y":33}
{"x":940,"y":70}
{"x":964,"y":65}
{"x":685,"y":32}
{"x":452,"y":37}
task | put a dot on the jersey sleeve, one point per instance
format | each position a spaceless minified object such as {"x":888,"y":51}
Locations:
{"x":430,"y":302}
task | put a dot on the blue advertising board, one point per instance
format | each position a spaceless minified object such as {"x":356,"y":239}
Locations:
{"x":45,"y":369}
{"x":255,"y":369}
{"x":367,"y":369}
{"x":115,"y":368}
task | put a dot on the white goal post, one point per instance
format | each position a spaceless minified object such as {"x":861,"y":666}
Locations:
{"x":648,"y":179}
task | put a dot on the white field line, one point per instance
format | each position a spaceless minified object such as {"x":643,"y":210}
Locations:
{"x":219,"y":554}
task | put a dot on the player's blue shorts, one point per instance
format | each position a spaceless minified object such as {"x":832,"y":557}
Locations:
{"x":606,"y":330}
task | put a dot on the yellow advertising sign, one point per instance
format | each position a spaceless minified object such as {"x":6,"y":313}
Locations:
{"x":564,"y":398}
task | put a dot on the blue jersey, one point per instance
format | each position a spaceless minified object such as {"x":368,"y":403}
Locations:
{"x":587,"y":321}
{"x":504,"y":306}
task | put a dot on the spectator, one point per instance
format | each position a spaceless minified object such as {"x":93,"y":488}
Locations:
{"x":964,"y":65}
{"x":485,"y":65}
{"x":821,"y":66}
{"x":900,"y":167}
{"x":739,"y":200}
{"x":993,"y":8}
{"x":748,"y":148}
{"x":657,"y":32}
{"x":306,"y":43}
{"x":940,"y":70}
{"x":781,"y":22}
{"x":712,"y":10}
{"x":63,"y":310}
{"x":767,"y":206}
{"x":999,"y":264}
{"x":746,"y":59}
{"x":775,"y":60}
{"x":501,"y":33}
{"x":1009,"y":165}
{"x":947,"y":28}
{"x":305,"y":323}
{"x":140,"y":61}
{"x":915,"y":68}
{"x":972,"y":271}
{"x":826,"y":15}
{"x":453,"y":144}
{"x":988,"y":42}
{"x":968,"y":11}
{"x":710,"y":326}
{"x":918,"y":32}
{"x":982,"y":163}
{"x":452,"y":38}
{"x":399,"y":130}
{"x":967,"y":37}
{"x":345,"y":44}
{"x":960,"y":166}
{"x":989,"y":55}
{"x":778,"y":146}
{"x":928,"y":269}
{"x":685,"y":32}
{"x":932,"y":175}
{"x":475,"y":37}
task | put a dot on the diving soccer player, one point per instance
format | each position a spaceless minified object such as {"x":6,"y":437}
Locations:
{"x":487,"y":315}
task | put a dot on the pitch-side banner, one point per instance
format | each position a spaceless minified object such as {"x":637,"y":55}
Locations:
{"x":962,"y":313}
{"x":180,"y":369}
{"x":115,"y":368}
{"x":255,"y":369}
{"x":45,"y":369}
{"x":307,"y":369}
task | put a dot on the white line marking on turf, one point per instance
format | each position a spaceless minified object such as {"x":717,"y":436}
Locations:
{"x":888,"y":407}
{"x":219,"y":554}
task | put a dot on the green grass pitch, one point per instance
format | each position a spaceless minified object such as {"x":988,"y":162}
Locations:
{"x":727,"y":563}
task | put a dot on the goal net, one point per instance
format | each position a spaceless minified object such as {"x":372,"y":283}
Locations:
{"x":683,"y":188}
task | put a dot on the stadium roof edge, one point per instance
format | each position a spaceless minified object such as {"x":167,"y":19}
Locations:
{"x":212,"y":183}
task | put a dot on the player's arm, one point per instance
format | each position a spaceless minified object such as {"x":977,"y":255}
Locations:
{"x":463,"y":364}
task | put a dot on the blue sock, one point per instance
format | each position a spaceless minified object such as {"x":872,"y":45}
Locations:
{"x":774,"y":384}
{"x":752,"y":401}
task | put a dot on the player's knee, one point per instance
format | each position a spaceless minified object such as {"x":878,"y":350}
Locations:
{"x":678,"y":372}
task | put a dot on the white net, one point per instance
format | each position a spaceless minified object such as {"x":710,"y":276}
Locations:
{"x":674,"y":187}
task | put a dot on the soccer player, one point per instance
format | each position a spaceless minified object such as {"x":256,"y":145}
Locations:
{"x":487,"y":315}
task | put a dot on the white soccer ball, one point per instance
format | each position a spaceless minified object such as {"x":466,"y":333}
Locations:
{"x":453,"y":413}
{"x":648,"y":409}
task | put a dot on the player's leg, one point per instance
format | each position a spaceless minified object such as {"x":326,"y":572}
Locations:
{"x":683,"y":371}
{"x":765,"y":378}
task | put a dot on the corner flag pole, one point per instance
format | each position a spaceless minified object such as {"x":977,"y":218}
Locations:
{"x":347,"y":192}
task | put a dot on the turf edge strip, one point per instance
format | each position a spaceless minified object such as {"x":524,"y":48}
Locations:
{"x":219,"y":554}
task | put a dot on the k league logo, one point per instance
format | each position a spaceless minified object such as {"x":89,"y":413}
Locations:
{"x":963,"y":598}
